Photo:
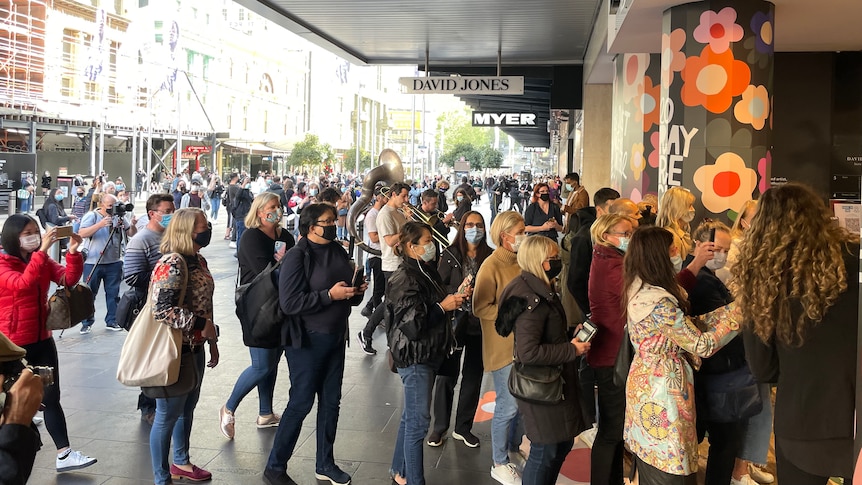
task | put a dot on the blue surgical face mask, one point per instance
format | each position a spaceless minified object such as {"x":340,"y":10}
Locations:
{"x":247,"y":186}
{"x":430,"y":252}
{"x":474,"y":235}
{"x":166,"y":218}
{"x":58,"y":197}
{"x":460,"y":198}
{"x":313,"y":192}
{"x":624,"y":243}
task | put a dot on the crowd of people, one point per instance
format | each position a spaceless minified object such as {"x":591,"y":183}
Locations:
{"x":715,"y":316}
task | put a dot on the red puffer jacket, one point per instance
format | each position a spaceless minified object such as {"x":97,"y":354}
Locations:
{"x":24,"y":293}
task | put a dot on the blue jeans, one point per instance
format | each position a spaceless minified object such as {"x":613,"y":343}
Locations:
{"x":25,"y":205}
{"x":240,"y":228}
{"x":418,"y":381}
{"x":315,"y":369}
{"x":755,"y":444}
{"x":543,"y":465}
{"x":504,"y":424}
{"x":215,"y":203}
{"x":261,"y":374}
{"x":112,"y":275}
{"x":173,"y":421}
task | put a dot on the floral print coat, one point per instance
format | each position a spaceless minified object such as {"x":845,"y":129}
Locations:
{"x":660,"y":414}
{"x":189,"y":315}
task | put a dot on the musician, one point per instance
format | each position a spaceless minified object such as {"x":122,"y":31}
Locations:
{"x":429,"y":210}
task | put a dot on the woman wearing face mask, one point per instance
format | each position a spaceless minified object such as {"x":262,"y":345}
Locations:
{"x":26,"y":273}
{"x":543,"y":217}
{"x":498,"y":270}
{"x":659,"y":422}
{"x":675,"y":214}
{"x":610,"y":234}
{"x":420,"y":313}
{"x":258,"y":251}
{"x":187,"y":233}
{"x":533,"y":313}
{"x":463,"y":204}
{"x":459,"y":261}
{"x":240,"y":208}
{"x":314,"y":293}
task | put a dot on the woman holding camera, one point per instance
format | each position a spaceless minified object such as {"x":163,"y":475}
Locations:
{"x":532,"y":311}
{"x":419,"y":332}
{"x":26,"y":273}
{"x":182,"y":264}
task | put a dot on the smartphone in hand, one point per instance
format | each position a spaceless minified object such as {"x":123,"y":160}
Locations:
{"x":467,"y":283}
{"x":358,"y":277}
{"x":63,"y":232}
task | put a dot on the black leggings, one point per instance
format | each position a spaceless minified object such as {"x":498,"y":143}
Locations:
{"x":44,"y":353}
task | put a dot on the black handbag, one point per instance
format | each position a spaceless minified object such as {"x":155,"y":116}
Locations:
{"x":623,"y":362}
{"x":259,"y":310}
{"x":186,"y":382}
{"x":536,"y":384}
{"x":68,"y":307}
{"x":130,"y":306}
{"x":728,"y":397}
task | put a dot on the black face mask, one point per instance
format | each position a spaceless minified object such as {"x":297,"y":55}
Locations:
{"x":328,"y":233}
{"x":203,"y":239}
{"x":545,"y":197}
{"x":556,"y":267}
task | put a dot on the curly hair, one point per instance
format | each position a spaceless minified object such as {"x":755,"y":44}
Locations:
{"x":790,"y":257}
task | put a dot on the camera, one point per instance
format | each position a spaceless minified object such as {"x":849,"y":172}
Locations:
{"x":12,"y":369}
{"x":119,"y":209}
{"x":587,"y":332}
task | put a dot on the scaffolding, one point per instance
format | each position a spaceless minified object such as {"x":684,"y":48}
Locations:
{"x":22,"y":52}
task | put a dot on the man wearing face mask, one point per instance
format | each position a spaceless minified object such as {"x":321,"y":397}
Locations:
{"x":142,"y":254}
{"x":240,"y":206}
{"x":106,"y":234}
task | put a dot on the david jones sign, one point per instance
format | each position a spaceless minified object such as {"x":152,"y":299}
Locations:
{"x":484,"y":118}
{"x":496,"y":85}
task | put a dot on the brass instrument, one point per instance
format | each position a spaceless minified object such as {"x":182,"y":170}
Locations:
{"x":418,"y":216}
{"x":389,"y":170}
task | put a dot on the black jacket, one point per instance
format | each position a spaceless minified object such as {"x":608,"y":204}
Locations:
{"x":707,"y":295}
{"x":18,"y":447}
{"x":418,"y":330}
{"x":241,"y":204}
{"x":54,"y":213}
{"x":578,"y":280}
{"x":452,"y":274}
{"x":539,"y":322}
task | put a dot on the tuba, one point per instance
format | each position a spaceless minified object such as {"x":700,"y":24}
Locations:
{"x":389,"y":170}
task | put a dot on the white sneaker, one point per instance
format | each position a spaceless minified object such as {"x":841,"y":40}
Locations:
{"x":38,"y":421}
{"x":760,"y":475}
{"x":588,"y":437}
{"x":74,"y":460}
{"x":506,"y":474}
{"x":232,"y":245}
{"x":744,"y":480}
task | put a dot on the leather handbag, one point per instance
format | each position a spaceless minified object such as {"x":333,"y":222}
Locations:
{"x":623,"y":363}
{"x":536,"y":384}
{"x":129,"y":306}
{"x":68,"y":307}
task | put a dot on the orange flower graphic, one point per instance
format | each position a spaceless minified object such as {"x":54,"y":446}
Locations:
{"x":712,"y":80}
{"x":647,"y":104}
{"x":672,"y":57}
{"x":753,"y":108}
{"x":726,"y":184}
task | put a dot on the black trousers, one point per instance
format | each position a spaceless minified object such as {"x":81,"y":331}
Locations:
{"x":725,"y":444}
{"x":606,"y":462}
{"x":789,"y":474}
{"x":649,"y":475}
{"x":587,"y":380}
{"x":377,"y":316}
{"x":471,"y":386}
{"x":44,"y":353}
{"x":378,"y":280}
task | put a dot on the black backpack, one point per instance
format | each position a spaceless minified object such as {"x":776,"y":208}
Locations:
{"x":259,"y":311}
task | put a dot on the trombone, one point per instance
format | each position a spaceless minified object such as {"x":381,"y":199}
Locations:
{"x":418,"y":216}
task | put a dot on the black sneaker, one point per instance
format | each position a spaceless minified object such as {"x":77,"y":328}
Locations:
{"x":367,"y":311}
{"x":336,"y":476}
{"x":273,"y":477}
{"x":467,"y":437}
{"x":365,"y":344}
{"x":435,"y":439}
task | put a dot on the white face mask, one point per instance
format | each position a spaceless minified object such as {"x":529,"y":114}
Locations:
{"x":30,"y":243}
{"x":677,"y":263}
{"x":689,"y":216}
{"x":518,"y":240}
{"x":430,"y":250}
{"x":719,"y":259}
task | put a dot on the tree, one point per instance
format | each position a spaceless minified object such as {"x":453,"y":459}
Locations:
{"x":457,"y":129}
{"x":309,"y":152}
{"x":349,"y":162}
{"x":466,"y":150}
{"x":489,"y":158}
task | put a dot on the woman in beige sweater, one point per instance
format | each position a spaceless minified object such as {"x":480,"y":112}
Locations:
{"x":500,"y":268}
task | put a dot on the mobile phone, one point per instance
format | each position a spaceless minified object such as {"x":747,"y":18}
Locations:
{"x":358,"y":277}
{"x":468,"y":281}
{"x":63,"y":232}
{"x":712,"y":235}
{"x":279,"y":245}
{"x":587,"y":332}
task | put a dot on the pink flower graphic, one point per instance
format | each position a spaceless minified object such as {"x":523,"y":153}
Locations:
{"x":718,"y":29}
{"x":653,"y":156}
{"x":672,"y":57}
{"x":764,"y":166}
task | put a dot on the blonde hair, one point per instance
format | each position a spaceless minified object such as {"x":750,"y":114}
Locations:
{"x":701,"y":234}
{"x":674,"y":205}
{"x":503,"y":222}
{"x":737,"y":229}
{"x":604,"y":224}
{"x":257,"y":204}
{"x":532,"y":254}
{"x":178,"y":236}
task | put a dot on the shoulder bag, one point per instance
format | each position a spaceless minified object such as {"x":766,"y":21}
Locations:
{"x":536,"y":384}
{"x":69,"y":306}
{"x":259,"y":310}
{"x":152,"y":350}
{"x":728,"y":397}
{"x":623,"y":363}
{"x":129,"y":306}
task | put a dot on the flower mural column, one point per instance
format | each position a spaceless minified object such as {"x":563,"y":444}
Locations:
{"x":716,"y":101}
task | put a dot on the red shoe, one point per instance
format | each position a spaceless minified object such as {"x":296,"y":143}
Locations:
{"x":196,"y":475}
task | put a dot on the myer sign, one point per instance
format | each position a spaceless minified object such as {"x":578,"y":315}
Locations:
{"x":485,"y":118}
{"x":497,"y":85}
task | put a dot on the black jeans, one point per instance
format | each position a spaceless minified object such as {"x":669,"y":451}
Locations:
{"x":378,"y":280}
{"x":649,"y":475}
{"x":587,"y":380}
{"x":377,"y":316}
{"x":725,"y":444}
{"x":545,"y":461}
{"x":471,"y":387}
{"x":606,"y":462}
{"x":44,"y":353}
